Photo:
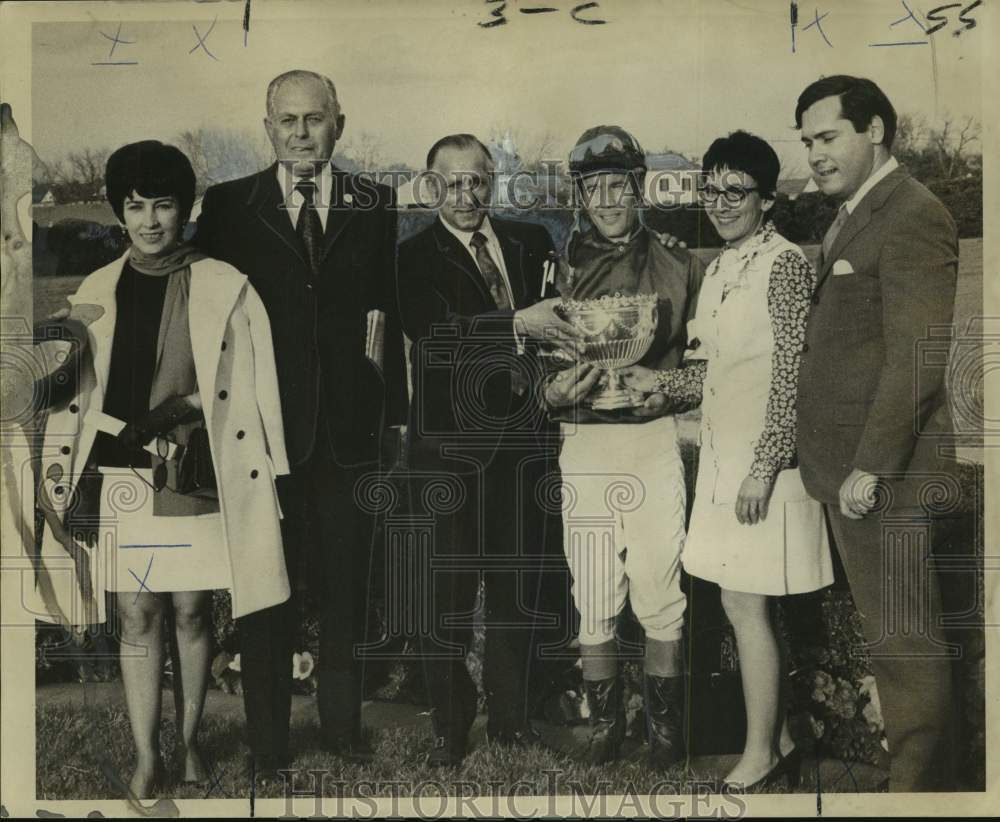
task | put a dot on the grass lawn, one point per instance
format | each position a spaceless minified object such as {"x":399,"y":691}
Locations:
{"x":82,"y":748}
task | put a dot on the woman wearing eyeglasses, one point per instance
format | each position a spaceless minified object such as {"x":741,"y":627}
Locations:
{"x":157,"y":477}
{"x":754,"y":530}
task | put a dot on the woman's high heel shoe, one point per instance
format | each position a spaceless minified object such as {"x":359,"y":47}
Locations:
{"x":788,"y":768}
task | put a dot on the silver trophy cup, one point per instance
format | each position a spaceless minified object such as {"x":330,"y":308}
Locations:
{"x":618,"y":331}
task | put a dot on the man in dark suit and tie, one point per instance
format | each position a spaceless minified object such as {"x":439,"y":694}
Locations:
{"x":471,"y":297}
{"x":872,"y":412}
{"x":318,"y":245}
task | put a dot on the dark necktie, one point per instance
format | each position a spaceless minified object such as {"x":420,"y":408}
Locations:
{"x":491,"y":274}
{"x":501,"y":296}
{"x":308,"y":226}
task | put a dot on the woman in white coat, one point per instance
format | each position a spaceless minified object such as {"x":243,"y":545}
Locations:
{"x":754,"y":530}
{"x":179,"y":352}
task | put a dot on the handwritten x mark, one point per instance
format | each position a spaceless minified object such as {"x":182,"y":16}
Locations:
{"x":142,"y":582}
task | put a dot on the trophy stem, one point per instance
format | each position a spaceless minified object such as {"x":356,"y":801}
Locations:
{"x":616,"y":395}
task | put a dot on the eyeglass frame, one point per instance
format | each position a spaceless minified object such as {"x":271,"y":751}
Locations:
{"x":159,"y":481}
{"x":740,"y":192}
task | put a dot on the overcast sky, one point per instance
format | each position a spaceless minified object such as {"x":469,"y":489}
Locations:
{"x":674,"y":73}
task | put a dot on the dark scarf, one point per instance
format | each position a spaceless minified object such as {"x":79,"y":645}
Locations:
{"x":174,"y":373}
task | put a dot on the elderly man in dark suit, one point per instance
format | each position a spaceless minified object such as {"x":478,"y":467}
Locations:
{"x":319,"y":246}
{"x":471,"y":289}
{"x":872,"y":413}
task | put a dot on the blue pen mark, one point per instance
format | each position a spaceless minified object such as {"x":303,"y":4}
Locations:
{"x":115,"y":39}
{"x":216,"y":776}
{"x":157,"y":545}
{"x":905,"y":43}
{"x":142,"y":582}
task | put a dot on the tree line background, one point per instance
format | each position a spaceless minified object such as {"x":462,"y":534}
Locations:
{"x":946,"y":156}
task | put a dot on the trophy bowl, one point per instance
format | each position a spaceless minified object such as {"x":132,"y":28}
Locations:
{"x":618,"y":331}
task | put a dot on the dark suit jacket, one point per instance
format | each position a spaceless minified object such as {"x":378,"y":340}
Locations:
{"x":871,"y":386}
{"x":328,"y":386}
{"x":464,"y":348}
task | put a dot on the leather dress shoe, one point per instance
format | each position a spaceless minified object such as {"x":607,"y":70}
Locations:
{"x":451,"y":741}
{"x":354,"y":748}
{"x":448,"y":752}
{"x":263,"y":771}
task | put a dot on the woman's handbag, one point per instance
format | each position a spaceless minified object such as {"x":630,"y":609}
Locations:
{"x":195,"y":473}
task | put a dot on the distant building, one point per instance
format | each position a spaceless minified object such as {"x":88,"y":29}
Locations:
{"x":671,"y":180}
{"x":42,"y":195}
{"x":792,"y":187}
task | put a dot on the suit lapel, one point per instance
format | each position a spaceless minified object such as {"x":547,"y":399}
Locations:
{"x":451,"y":249}
{"x":271,"y":212}
{"x":341,"y":208}
{"x":860,"y":218}
{"x":513,"y":257}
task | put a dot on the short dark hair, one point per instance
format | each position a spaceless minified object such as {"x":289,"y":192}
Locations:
{"x":150,"y":169}
{"x":860,"y":101}
{"x":459,"y":141}
{"x":741,"y":151}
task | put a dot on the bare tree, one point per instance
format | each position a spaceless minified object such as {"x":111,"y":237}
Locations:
{"x":537,"y":149}
{"x":951,"y":144}
{"x":911,"y":134}
{"x":217,"y":155}
{"x":366,"y":150}
{"x":192,"y":143}
{"x":85,"y":169}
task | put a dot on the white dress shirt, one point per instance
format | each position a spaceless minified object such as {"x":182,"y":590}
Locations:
{"x":492,"y":245}
{"x":324,"y":186}
{"x":883,"y":170}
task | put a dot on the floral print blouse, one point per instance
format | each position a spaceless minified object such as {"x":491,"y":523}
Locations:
{"x":789,"y":299}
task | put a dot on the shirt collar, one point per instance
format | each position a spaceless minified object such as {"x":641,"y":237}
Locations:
{"x":465,"y":237}
{"x":323,"y":180}
{"x":883,"y":170}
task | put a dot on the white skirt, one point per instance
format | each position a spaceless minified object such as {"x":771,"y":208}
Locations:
{"x":156,"y":554}
{"x":786,"y":553}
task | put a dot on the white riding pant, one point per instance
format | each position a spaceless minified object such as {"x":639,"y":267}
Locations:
{"x":623,"y":500}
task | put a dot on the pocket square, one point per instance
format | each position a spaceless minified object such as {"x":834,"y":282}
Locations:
{"x":841,"y":267}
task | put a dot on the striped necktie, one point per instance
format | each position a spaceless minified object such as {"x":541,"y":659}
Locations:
{"x":831,"y":233}
{"x":308,"y":226}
